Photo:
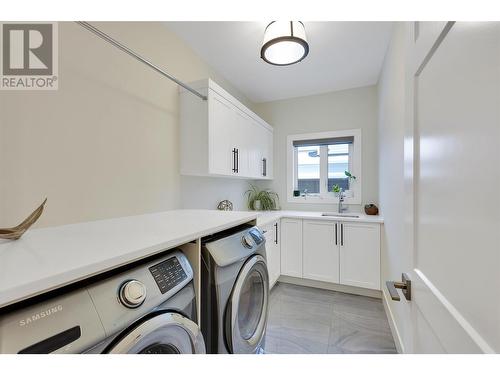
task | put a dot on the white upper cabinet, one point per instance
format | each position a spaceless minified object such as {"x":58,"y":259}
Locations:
{"x":221,"y":137}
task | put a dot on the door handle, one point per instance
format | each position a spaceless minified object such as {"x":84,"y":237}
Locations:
{"x":404,"y":285}
{"x":264,"y":167}
{"x":341,"y":234}
{"x":276,"y":233}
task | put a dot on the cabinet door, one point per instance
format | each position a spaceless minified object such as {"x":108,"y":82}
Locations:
{"x":223,"y":130}
{"x":291,"y":247}
{"x":252,"y":138}
{"x":258,"y":151}
{"x":245,"y":141}
{"x":321,"y":251}
{"x":273,"y":252}
{"x":360,"y":255}
{"x":264,"y":152}
{"x":268,"y":153}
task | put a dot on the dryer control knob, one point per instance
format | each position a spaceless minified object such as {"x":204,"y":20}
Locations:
{"x":132,"y":293}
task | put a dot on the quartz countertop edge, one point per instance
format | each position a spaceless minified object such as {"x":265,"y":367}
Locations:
{"x":46,"y":259}
{"x":270,"y":216}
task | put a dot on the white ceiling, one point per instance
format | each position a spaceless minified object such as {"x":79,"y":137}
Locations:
{"x":342,"y":55}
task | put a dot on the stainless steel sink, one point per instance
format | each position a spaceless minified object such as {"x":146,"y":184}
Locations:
{"x":335,"y":214}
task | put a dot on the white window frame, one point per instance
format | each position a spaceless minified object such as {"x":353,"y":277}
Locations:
{"x":353,"y":196}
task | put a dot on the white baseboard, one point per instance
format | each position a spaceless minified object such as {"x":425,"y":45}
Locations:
{"x":331,"y":286}
{"x":392,"y":324}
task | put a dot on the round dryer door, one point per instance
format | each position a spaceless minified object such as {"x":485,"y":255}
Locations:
{"x":165,"y":333}
{"x":246,"y":315}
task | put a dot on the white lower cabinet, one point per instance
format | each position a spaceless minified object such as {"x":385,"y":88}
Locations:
{"x":273,"y":251}
{"x":339,"y":252}
{"x":360,"y":255}
{"x":291,"y":245}
{"x":320,"y":251}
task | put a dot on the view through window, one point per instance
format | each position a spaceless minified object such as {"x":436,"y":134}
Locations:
{"x":321,"y":164}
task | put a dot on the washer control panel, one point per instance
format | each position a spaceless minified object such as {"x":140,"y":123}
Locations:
{"x":168,"y":274}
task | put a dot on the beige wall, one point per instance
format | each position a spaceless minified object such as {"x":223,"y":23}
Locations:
{"x":347,"y":109}
{"x":392,"y":201}
{"x":105,"y":144}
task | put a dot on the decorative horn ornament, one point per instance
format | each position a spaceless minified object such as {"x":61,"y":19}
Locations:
{"x":16,"y":232}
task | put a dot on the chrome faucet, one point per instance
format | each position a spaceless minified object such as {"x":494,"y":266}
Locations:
{"x":341,"y":201}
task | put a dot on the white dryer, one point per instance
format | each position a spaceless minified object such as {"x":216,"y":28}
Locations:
{"x":235,"y":291}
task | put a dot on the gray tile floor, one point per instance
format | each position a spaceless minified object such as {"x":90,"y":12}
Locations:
{"x":310,"y":320}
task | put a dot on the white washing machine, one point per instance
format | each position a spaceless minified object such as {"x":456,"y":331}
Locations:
{"x":150,"y":308}
{"x":235,"y":291}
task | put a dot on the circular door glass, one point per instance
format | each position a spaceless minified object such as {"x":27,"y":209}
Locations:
{"x":251,"y":303}
{"x":160,"y":349}
{"x":166,"y":333}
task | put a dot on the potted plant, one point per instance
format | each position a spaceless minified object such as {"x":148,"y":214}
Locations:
{"x":337,"y":189}
{"x":264,"y":200}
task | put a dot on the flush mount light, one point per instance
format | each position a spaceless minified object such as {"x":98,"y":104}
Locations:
{"x":284,"y":43}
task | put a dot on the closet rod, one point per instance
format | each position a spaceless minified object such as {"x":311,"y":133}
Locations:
{"x":117,"y":44}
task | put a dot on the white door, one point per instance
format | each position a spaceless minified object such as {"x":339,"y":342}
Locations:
{"x":291,"y":247}
{"x":223,"y":130}
{"x":257,"y":149}
{"x":360,"y":255}
{"x":321,"y":251}
{"x":268,"y":153}
{"x":244,"y":140}
{"x":273,"y":256}
{"x":452,"y":159}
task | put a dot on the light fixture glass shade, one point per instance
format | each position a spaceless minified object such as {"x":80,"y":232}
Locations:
{"x":284,"y":43}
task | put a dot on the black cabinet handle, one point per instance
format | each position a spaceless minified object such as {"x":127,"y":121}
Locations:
{"x":264,"y":167}
{"x":341,"y":234}
{"x":276,"y":233}
{"x":234,"y":160}
{"x":336,"y":242}
{"x":237,"y":161}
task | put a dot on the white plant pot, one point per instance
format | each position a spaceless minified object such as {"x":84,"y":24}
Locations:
{"x":257,"y":205}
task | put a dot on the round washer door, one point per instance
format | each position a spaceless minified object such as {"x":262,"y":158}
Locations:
{"x":246,"y":314}
{"x":166,"y":333}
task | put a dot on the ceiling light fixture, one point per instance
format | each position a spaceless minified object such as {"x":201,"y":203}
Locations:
{"x":284,"y":43}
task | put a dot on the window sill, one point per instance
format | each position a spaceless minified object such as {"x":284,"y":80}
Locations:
{"x":323,"y":200}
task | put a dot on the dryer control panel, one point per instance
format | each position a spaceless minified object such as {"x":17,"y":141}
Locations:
{"x":168,"y":274}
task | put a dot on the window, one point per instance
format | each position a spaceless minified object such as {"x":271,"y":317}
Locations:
{"x":318,"y":161}
{"x":308,"y":168}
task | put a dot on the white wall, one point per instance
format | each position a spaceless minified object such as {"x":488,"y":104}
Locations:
{"x":106,"y":143}
{"x":347,"y":109}
{"x":207,"y":192}
{"x":391,"y":129}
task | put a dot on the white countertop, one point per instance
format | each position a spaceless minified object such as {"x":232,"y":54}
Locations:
{"x":48,"y":258}
{"x":270,"y":216}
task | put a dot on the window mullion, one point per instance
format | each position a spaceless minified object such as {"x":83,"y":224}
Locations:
{"x":323,"y":170}
{"x":295,"y":168}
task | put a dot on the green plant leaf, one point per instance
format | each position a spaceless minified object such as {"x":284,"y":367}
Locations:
{"x":348,"y":174}
{"x":268,"y":199}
